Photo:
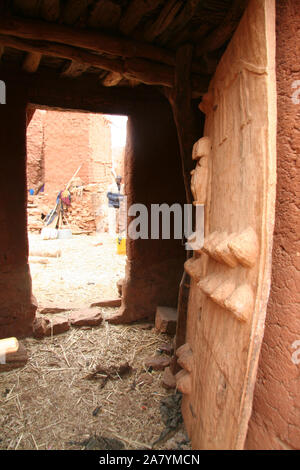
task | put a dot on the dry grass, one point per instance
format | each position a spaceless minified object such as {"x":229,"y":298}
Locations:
{"x":49,"y":405}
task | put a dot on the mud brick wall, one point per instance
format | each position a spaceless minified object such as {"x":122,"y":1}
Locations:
{"x":35,"y":148}
{"x":153,"y":175}
{"x":66,"y":147}
{"x":58,"y":142}
{"x":275,"y":421}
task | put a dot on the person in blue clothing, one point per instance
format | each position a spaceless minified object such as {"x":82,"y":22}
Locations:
{"x":115,"y":196}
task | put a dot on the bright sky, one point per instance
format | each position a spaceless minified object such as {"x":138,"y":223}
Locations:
{"x":118,"y":130}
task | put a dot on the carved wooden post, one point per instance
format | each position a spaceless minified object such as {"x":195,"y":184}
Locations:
{"x":181,"y":101}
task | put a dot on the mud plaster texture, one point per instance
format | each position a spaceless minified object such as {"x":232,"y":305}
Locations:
{"x":17,"y":308}
{"x":153,"y":175}
{"x":58,"y":142}
{"x":275,"y":421}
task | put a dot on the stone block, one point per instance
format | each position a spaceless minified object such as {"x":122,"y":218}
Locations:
{"x":166,"y":320}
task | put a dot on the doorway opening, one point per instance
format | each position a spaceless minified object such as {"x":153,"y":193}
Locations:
{"x":74,"y":234}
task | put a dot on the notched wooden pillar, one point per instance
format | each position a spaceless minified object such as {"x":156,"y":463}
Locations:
{"x":180,"y":99}
{"x":17,"y":307}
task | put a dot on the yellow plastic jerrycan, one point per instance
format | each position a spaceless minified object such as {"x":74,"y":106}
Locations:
{"x":121,"y":246}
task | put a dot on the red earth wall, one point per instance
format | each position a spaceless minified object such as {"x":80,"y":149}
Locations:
{"x":59,"y":142}
{"x":153,"y":175}
{"x":275,"y":421}
{"x":17,"y":307}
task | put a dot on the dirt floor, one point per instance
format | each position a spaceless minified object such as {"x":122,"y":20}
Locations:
{"x":52,"y":403}
{"x":87,"y":270}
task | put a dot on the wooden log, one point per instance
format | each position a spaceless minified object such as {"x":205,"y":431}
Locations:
{"x":145,"y":71}
{"x":72,"y":10}
{"x":37,"y":260}
{"x":105,"y":15}
{"x":163,"y":21}
{"x":45,"y":252}
{"x":223,"y":33}
{"x":180,"y":22}
{"x":64,"y":52}
{"x":74,"y":69}
{"x":112,"y":79}
{"x":149,"y":72}
{"x":31,"y":62}
{"x":50,"y":10}
{"x":86,"y":39}
{"x":136,"y":10}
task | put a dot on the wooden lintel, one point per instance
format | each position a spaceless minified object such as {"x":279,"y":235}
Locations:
{"x":48,"y":90}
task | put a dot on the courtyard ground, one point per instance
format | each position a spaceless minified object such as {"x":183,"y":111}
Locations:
{"x":87,"y":270}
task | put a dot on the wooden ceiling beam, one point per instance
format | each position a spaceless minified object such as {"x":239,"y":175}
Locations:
{"x":142,"y":70}
{"x":74,"y":69}
{"x":165,"y":18}
{"x":31,"y":62}
{"x":136,"y":10}
{"x":112,"y":79}
{"x":50,"y":10}
{"x":86,"y":39}
{"x":180,"y":24}
{"x":105,"y":15}
{"x":64,"y":52}
{"x":85,"y":94}
{"x":224,"y":31}
{"x":73,"y":10}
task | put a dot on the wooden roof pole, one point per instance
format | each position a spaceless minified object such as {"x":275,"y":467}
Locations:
{"x":151,"y":73}
{"x":83,"y":38}
{"x":31,"y":62}
{"x":92,"y":40}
